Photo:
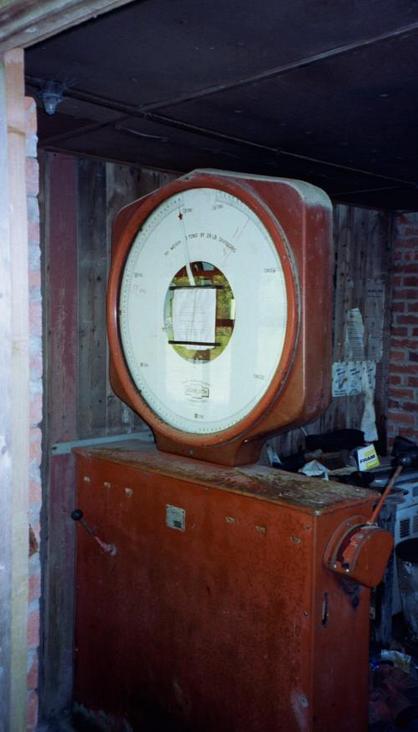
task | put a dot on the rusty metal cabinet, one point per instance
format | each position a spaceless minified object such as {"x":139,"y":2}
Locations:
{"x":215,"y":611}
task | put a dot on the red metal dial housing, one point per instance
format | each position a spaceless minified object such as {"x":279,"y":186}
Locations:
{"x":298,"y":219}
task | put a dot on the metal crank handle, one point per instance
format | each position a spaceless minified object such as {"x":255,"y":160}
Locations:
{"x":375,"y":515}
{"x":77,"y":515}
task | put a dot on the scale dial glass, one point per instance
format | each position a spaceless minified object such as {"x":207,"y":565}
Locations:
{"x":203,"y":310}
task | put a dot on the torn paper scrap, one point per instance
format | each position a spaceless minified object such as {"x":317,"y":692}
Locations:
{"x":368,"y":420}
{"x":374,"y":317}
{"x":314,"y":469}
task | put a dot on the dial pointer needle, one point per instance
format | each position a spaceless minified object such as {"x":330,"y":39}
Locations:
{"x":186,"y":252}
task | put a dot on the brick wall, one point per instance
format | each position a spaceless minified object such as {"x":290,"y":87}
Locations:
{"x":403,"y":379}
{"x":35,"y":497}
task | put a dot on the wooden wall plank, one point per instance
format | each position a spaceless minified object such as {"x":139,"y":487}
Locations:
{"x":59,"y":234}
{"x":92,"y":273}
{"x":59,"y":193}
{"x":123,"y":184}
{"x":19,"y":382}
{"x":6,"y":468}
{"x":57,"y":652}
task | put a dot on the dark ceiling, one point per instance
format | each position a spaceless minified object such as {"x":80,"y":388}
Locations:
{"x":323,"y":90}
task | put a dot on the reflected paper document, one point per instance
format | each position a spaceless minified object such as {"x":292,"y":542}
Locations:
{"x":194,"y":316}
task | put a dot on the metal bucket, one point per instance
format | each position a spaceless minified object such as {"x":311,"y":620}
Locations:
{"x":407,"y":562}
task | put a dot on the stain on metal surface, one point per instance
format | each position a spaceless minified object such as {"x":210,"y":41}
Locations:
{"x":300,"y":706}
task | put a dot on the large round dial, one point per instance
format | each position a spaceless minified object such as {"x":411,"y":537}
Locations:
{"x":204,"y":305}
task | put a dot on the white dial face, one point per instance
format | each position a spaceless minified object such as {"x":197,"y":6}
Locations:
{"x":203,"y":310}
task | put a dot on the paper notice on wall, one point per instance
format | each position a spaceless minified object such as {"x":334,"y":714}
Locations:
{"x":350,"y":378}
{"x":369,"y":375}
{"x":339,"y":379}
{"x":374,"y":317}
{"x":368,"y":420}
{"x":194,"y":317}
{"x":354,"y":336}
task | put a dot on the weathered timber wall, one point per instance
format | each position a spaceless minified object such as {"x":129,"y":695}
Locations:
{"x":362,"y":250}
{"x":102,"y":189}
{"x":79,"y":199}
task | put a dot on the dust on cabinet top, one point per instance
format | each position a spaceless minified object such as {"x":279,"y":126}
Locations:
{"x":312,"y":494}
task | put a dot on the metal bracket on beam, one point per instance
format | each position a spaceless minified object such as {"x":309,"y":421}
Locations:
{"x":64,"y":448}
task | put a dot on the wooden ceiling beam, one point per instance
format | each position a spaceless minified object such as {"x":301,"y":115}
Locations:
{"x":26,"y":22}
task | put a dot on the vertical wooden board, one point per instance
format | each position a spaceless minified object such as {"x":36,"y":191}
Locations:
{"x":92,"y":272}
{"x":122,"y":187}
{"x":382,"y":371}
{"x":125,"y":184}
{"x":59,"y":188}
{"x":350,"y":243}
{"x":58,"y":202}
{"x":6,"y":468}
{"x":17,"y":371}
{"x":150,"y":180}
{"x":57,"y":652}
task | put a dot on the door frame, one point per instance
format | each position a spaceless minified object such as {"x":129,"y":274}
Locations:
{"x":22,"y":24}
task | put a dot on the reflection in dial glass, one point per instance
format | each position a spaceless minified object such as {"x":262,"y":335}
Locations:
{"x":199,"y":317}
{"x":203,"y":310}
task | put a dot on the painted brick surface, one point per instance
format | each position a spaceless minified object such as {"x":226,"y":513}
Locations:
{"x":35,"y":495}
{"x":403,"y":378}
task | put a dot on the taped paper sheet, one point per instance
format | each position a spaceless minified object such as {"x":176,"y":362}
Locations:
{"x":350,"y":378}
{"x":374,"y":317}
{"x":354,"y":336}
{"x":368,"y":420}
{"x":194,"y":316}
